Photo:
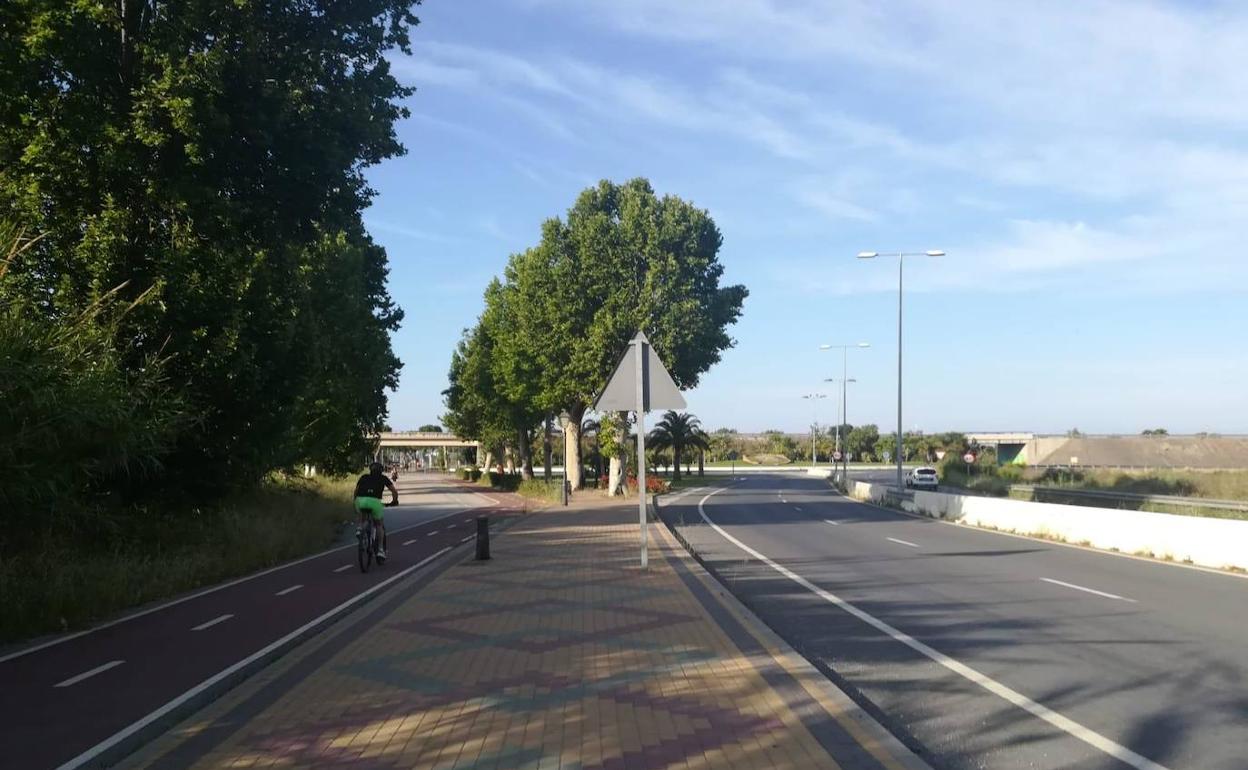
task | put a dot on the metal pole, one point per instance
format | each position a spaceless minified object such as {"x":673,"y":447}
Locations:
{"x":844,"y":416}
{"x":901,"y":260}
{"x":641,"y":451}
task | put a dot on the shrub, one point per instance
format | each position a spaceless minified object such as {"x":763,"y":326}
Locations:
{"x":654,"y":485}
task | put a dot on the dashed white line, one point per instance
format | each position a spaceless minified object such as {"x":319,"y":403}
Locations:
{"x":833,"y":523}
{"x":290,"y":590}
{"x":903,"y":542}
{"x":409,"y":542}
{"x":73,"y":680}
{"x":431,"y":533}
{"x":212,"y":622}
{"x":797,"y":507}
{"x":1060,"y":721}
{"x":465,"y":539}
{"x":344,"y":568}
{"x":1089,"y":590}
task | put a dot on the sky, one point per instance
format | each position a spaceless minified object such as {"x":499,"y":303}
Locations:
{"x":1084,"y":165}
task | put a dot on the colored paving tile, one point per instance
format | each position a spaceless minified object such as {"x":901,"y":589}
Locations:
{"x":559,"y":653}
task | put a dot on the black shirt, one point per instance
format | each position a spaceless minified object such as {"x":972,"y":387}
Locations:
{"x":371,"y":485}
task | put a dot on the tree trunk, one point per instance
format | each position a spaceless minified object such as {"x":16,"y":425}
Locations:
{"x":526,"y":454}
{"x":701,"y":462}
{"x":676,"y":461}
{"x":572,"y":447}
{"x":547,"y":449}
{"x":616,"y":483}
{"x":489,"y":460}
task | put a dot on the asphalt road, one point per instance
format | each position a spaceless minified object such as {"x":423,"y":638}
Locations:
{"x":61,"y":700}
{"x":983,"y":650}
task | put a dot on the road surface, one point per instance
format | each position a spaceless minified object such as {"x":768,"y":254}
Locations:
{"x":985,"y":650}
{"x":62,"y":701}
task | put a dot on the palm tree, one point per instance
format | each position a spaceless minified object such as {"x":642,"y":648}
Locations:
{"x":677,"y":432}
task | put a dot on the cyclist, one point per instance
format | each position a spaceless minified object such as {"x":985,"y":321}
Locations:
{"x":368,"y":492}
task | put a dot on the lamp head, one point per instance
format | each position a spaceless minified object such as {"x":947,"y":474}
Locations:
{"x":934,"y":253}
{"x":868,"y":254}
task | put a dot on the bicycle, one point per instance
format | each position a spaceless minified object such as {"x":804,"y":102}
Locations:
{"x":368,"y":543}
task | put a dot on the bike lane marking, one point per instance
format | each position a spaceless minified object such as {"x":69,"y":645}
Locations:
{"x":290,"y":590}
{"x":213,"y":622}
{"x":344,"y":568}
{"x":73,"y":680}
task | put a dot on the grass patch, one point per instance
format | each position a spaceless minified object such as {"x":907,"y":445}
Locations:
{"x":541,"y":490}
{"x":76,"y":581}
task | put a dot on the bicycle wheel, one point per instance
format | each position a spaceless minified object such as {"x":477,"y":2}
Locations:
{"x":366,"y":547}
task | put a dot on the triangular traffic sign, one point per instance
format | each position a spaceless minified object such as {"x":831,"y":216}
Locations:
{"x":658,"y":389}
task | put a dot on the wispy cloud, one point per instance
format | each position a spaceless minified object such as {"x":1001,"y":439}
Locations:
{"x":408,"y":231}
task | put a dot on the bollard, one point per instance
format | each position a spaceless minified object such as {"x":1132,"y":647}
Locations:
{"x":565,"y":495}
{"x":483,"y":538}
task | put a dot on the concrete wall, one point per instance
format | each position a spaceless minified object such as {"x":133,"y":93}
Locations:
{"x":1205,"y":541}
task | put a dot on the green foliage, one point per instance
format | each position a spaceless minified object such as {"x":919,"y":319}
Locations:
{"x":555,"y":326}
{"x":214,"y":154}
{"x":861,"y":442}
{"x":677,"y":432}
{"x":724,"y":444}
{"x":430,"y":428}
{"x":1155,"y":432}
{"x":75,"y":422}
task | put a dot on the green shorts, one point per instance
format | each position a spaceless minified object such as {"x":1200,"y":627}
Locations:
{"x":371,"y":505}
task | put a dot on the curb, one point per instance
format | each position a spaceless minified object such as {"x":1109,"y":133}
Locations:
{"x":813,"y":681}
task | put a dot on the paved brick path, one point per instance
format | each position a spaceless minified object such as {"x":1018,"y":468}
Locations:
{"x":558,"y":653}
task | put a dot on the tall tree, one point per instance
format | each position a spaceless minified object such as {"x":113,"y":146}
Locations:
{"x":215,"y":154}
{"x":623,"y":259}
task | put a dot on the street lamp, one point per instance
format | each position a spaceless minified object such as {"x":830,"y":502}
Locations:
{"x":814,"y":403}
{"x":844,"y":376}
{"x":842,"y":417}
{"x":901,"y":259}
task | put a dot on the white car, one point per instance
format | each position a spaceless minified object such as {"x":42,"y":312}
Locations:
{"x":922,"y":478}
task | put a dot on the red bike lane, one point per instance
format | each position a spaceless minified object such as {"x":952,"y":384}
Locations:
{"x":60,"y":702}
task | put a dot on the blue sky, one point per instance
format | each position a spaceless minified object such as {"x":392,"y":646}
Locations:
{"x":1085,"y":166}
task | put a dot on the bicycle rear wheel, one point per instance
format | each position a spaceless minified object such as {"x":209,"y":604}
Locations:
{"x":366,"y":547}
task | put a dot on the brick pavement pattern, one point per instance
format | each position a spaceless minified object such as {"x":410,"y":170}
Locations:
{"x":560,"y":652}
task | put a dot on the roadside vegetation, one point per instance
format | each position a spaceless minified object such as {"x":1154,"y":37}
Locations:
{"x":190,"y":304}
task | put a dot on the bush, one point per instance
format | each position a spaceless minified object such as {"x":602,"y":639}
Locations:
{"x":78,"y":428}
{"x":539,"y":489}
{"x":654,"y":485}
{"x":507,"y":482}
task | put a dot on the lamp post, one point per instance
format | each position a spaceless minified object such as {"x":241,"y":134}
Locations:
{"x":843,"y":420}
{"x":901,"y":259}
{"x":814,"y":400}
{"x":844,"y":377}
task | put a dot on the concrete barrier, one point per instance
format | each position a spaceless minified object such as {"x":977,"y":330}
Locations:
{"x":1199,"y":540}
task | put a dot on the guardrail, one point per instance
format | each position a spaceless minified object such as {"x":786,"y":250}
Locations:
{"x":1104,"y":494}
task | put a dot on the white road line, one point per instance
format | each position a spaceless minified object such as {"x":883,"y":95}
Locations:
{"x":1063,"y":723}
{"x":1089,"y":590}
{"x":431,"y":533}
{"x":344,"y":568}
{"x":213,"y":622}
{"x":104,"y":745}
{"x":833,"y":523}
{"x":409,"y":542}
{"x":903,"y":542}
{"x":290,"y":590}
{"x":465,"y":539}
{"x":205,"y":592}
{"x":783,"y":500}
{"x":73,"y":680}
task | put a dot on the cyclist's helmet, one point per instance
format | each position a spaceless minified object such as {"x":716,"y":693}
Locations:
{"x":376,"y":468}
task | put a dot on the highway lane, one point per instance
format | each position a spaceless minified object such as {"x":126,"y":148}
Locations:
{"x":985,"y":650}
{"x":63,"y":698}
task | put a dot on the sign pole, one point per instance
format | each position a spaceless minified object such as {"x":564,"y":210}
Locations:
{"x":641,"y":446}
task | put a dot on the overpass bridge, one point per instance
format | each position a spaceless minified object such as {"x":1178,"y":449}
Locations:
{"x":421,"y":440}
